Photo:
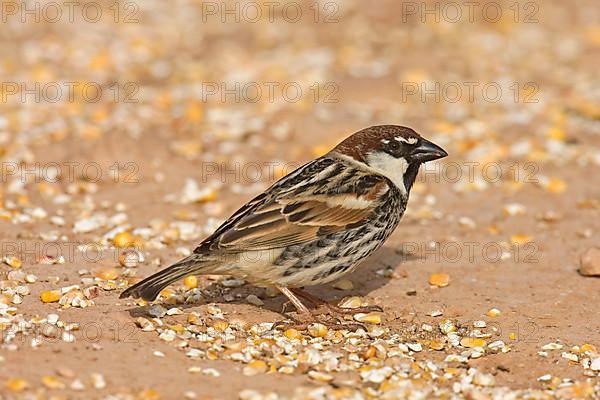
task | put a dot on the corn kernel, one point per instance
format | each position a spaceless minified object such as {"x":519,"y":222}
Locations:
{"x":350,"y":302}
{"x":436,"y":345}
{"x":493,"y":312}
{"x":108,"y":274}
{"x":292,"y":334}
{"x":52,"y":382}
{"x":12,"y":261}
{"x":130,"y":258}
{"x":16,"y":384}
{"x":194,"y":112}
{"x":50,"y":296}
{"x":221,"y":325}
{"x":556,"y":185}
{"x":255,"y":367}
{"x":472,"y":342}
{"x":447,"y":326}
{"x":123,"y":239}
{"x":149,"y":394}
{"x":343,"y":284}
{"x":191,"y":282}
{"x":320,"y":376}
{"x":492,"y":229}
{"x":370,"y":318}
{"x":212,"y":354}
{"x":194,"y":319}
{"x":318,"y":330}
{"x":178,"y":328}
{"x":369,"y":353}
{"x":186,"y":148}
{"x":557,"y":134}
{"x":439,"y":280}
{"x":589,"y":348}
{"x":166,"y":293}
{"x":210,"y":195}
{"x":520,"y":239}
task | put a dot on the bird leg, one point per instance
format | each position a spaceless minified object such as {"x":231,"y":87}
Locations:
{"x":332,"y":307}
{"x":302,"y":309}
{"x":307,"y":317}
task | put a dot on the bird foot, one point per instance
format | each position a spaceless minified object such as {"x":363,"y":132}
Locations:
{"x":328,"y":308}
{"x":307,"y":317}
{"x":335,"y":309}
{"x":303,"y":324}
{"x":344,"y":311}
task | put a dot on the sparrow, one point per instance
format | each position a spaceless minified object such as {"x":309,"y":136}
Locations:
{"x":315,"y":224}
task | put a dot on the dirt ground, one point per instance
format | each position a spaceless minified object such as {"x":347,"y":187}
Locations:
{"x":480,"y":286}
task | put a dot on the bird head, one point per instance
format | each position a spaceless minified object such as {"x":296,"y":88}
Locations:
{"x":394,"y":151}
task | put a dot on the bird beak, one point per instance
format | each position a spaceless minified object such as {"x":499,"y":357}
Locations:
{"x":428,"y":151}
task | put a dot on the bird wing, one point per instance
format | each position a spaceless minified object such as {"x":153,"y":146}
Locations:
{"x":323,"y":196}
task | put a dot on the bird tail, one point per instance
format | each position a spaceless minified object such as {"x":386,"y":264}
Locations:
{"x":149,"y":288}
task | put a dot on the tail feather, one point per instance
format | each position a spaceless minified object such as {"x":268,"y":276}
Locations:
{"x":149,"y":288}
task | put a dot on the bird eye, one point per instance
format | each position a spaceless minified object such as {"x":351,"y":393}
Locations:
{"x":394,"y":145}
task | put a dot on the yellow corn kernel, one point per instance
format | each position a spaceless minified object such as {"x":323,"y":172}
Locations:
{"x":343,"y":284}
{"x":557,"y":134}
{"x":493,"y":312}
{"x":52,"y":382}
{"x":16,"y":384}
{"x":191,"y":282}
{"x":588,"y":347}
{"x":370,"y":318}
{"x":194,"y":320}
{"x":292,"y":334}
{"x":50,"y":296}
{"x":436,"y":345}
{"x":556,"y":185}
{"x":149,"y":394}
{"x":472,"y":342}
{"x":439,"y":280}
{"x":194,"y":112}
{"x":350,"y":302}
{"x":108,"y":274}
{"x":178,"y":328}
{"x":318,"y":330}
{"x":255,"y":367}
{"x":123,"y":239}
{"x":13,"y":261}
{"x":520,"y":239}
{"x":221,"y":325}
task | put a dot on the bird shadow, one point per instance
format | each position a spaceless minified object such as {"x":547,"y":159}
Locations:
{"x":369,"y":276}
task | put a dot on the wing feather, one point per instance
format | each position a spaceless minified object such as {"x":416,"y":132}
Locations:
{"x":283,"y":216}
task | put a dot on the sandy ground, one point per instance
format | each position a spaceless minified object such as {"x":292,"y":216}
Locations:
{"x":507,"y":215}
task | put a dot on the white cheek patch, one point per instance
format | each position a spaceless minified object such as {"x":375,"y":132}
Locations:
{"x":391,"y":167}
{"x":411,"y":140}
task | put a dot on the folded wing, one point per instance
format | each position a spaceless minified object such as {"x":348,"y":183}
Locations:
{"x":300,"y":207}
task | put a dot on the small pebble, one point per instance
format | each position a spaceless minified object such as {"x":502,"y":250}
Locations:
{"x":343,"y":284}
{"x":590,"y":262}
{"x":157,"y":311}
{"x":254,"y":300}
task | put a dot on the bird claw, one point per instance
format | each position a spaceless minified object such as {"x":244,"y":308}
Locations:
{"x":307,"y":317}
{"x":364,"y":309}
{"x":333,"y":309}
{"x":284,"y":325}
{"x":303,"y":325}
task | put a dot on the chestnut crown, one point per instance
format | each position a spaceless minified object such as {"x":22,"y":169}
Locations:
{"x":394,"y":140}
